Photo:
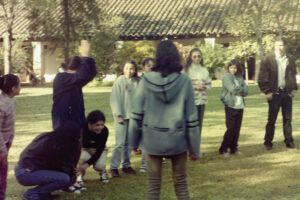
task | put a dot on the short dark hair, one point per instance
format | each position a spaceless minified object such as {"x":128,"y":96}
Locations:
{"x":167,"y":59}
{"x":281,"y":38}
{"x":8,"y":81}
{"x":146,"y":61}
{"x":73,"y":64}
{"x":95,"y":116}
{"x":238,"y":66}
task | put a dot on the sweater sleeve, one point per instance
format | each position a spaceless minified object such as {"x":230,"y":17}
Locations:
{"x":116,"y":99}
{"x":3,"y":148}
{"x":192,"y":122}
{"x":228,"y":83}
{"x":137,"y":115}
{"x":99,"y":149}
{"x":208,"y":83}
{"x":244,"y":88}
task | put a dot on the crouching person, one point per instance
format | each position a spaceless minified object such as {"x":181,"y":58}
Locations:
{"x":94,"y":151}
{"x":49,"y":162}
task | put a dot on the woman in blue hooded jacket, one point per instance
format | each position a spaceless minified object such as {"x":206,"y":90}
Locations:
{"x":164,"y":107}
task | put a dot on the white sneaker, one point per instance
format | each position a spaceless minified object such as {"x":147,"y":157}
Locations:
{"x":143,"y":170}
{"x":238,"y":153}
{"x":104,"y":178}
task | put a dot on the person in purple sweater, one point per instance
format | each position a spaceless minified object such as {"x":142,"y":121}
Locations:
{"x":10,"y":86}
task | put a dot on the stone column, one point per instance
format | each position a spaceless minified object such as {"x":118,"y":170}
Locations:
{"x":210,"y":41}
{"x":38,"y":60}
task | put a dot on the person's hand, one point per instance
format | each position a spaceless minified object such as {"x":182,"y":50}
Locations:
{"x":84,"y":48}
{"x":200,"y":87}
{"x":292,"y":95}
{"x":269,"y":96}
{"x":3,"y":160}
{"x":83,"y":167}
{"x":120,"y":121}
{"x":193,"y":157}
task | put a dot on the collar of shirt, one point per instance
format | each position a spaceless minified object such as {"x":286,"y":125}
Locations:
{"x":280,"y":58}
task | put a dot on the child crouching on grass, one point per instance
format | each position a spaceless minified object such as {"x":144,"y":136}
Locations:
{"x":94,"y":151}
{"x":234,"y":90}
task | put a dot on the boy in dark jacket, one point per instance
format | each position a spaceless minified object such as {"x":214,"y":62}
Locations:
{"x":94,"y":151}
{"x":49,"y":161}
{"x":68,"y":101}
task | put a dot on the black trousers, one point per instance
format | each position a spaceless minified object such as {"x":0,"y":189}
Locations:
{"x":284,"y":101}
{"x":233,"y":123}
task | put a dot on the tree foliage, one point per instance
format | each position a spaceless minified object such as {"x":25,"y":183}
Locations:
{"x":69,"y":21}
{"x":7,"y":15}
{"x":256,"y":18}
{"x":22,"y":58}
{"x":137,"y":51}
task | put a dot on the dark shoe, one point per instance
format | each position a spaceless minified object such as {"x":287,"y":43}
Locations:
{"x":128,"y":170}
{"x":290,"y":145}
{"x":268,"y":147}
{"x":114,"y":173}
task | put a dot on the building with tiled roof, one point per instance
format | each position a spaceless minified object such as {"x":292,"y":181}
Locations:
{"x":182,"y":20}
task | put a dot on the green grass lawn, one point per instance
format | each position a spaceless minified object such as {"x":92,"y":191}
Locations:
{"x":257,"y":175}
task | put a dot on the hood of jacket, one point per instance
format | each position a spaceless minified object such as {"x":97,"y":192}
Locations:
{"x":164,"y":88}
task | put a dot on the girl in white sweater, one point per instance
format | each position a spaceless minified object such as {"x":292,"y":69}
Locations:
{"x":199,"y":75}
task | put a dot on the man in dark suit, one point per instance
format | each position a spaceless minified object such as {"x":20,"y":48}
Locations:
{"x":277,"y":80}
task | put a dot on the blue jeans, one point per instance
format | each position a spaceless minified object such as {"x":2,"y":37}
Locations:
{"x":143,"y":160}
{"x":121,"y":146}
{"x":47,"y":181}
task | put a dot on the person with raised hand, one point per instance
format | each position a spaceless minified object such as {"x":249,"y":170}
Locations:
{"x":68,"y":103}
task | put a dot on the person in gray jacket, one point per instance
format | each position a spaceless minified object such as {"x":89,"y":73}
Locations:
{"x":234,"y":90}
{"x":164,"y":107}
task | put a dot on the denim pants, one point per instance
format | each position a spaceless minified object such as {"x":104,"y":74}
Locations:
{"x":3,"y":176}
{"x":284,"y":101}
{"x":47,"y":181}
{"x":121,"y":146}
{"x":154,"y":175}
{"x":143,"y":161}
{"x":233,"y":123}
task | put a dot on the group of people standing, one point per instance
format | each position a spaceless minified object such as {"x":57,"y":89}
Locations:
{"x":157,"y":115}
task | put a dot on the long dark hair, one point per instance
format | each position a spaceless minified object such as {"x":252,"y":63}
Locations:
{"x":189,"y":59}
{"x":66,"y":138}
{"x":8,"y":81}
{"x":73,"y":64}
{"x":135,"y":75}
{"x":167,"y":59}
{"x":238,"y":66}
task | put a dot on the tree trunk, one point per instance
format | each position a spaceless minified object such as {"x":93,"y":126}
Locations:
{"x":66,"y":30}
{"x":7,"y":52}
{"x":246,"y":72}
